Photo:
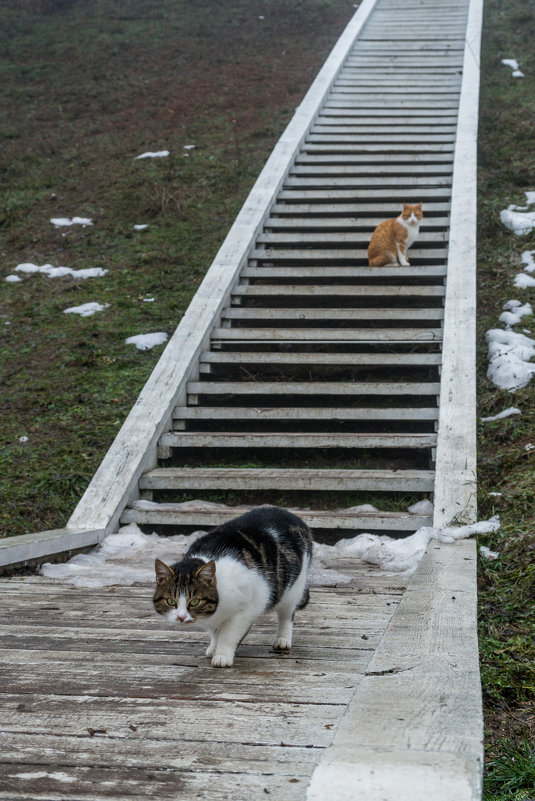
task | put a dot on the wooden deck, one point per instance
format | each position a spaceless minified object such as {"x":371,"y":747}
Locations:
{"x":102,"y":700}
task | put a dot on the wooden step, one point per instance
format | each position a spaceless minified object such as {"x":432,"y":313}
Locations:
{"x":341,"y":290}
{"x":339,"y":388}
{"x":363,"y":211}
{"x":347,"y":224}
{"x":216,"y":478}
{"x":174,"y":439}
{"x":334,"y":239}
{"x":327,"y":335}
{"x":395,"y":197}
{"x":314,"y":271}
{"x":319,"y":359}
{"x":333,"y":253}
{"x":183,"y":413}
{"x":376,"y":160}
{"x":407,"y":182}
{"x":350,"y":315}
{"x":176,"y":514}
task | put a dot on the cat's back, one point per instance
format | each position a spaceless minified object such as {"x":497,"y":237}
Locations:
{"x":257,"y":535}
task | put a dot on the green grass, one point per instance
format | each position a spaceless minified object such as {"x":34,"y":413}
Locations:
{"x":511,"y":775}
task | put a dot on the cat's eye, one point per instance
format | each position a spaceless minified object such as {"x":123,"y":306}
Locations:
{"x":194,"y":602}
{"x":171,"y":602}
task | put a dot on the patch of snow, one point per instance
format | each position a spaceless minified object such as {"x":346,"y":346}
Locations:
{"x":159,"y":154}
{"x":23,"y":439}
{"x":62,"y":222}
{"x":509,"y":359}
{"x":520,"y":222}
{"x":148,"y":300}
{"x":514,"y":311}
{"x":13,"y":279}
{"x":86,"y":309}
{"x":530,"y":197}
{"x":363,"y":508}
{"x":506,"y":413}
{"x":486,"y":553}
{"x":496,"y":494}
{"x":523,"y":280}
{"x":513,"y":63}
{"x":190,"y":147}
{"x":147,"y":341}
{"x":140,"y":227}
{"x":60,"y":272}
{"x":529,"y":447}
{"x":132,"y":554}
{"x":527,"y":259}
{"x":421,"y":508}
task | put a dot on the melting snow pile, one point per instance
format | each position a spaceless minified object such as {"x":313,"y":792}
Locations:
{"x":60,"y":272}
{"x":62,"y":222}
{"x":128,"y":556}
{"x":514,"y":311}
{"x":518,"y":218}
{"x":506,"y":413}
{"x":509,"y":359}
{"x":159,"y":154}
{"x":86,"y":309}
{"x":513,"y":63}
{"x":147,"y":341}
{"x":510,"y":352}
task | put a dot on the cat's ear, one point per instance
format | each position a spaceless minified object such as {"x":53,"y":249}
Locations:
{"x":419,"y":206}
{"x":405,"y":205}
{"x":206,"y":572}
{"x":163,"y":572}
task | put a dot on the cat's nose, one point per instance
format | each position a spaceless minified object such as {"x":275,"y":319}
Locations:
{"x":181,"y":618}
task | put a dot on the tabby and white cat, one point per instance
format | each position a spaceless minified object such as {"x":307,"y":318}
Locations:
{"x":235,"y":573}
{"x":392,"y":238}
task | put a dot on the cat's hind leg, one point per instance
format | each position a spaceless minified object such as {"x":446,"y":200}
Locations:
{"x":295,"y":597}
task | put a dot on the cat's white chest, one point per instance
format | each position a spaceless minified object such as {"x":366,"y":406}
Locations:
{"x":411,"y":229}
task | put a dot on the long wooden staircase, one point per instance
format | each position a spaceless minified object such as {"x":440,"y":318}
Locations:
{"x":322,"y":372}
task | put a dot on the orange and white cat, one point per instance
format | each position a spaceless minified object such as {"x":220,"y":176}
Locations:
{"x":392,"y":238}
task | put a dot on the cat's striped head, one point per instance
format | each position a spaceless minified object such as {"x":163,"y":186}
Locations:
{"x":412,"y":214}
{"x":186,"y":591}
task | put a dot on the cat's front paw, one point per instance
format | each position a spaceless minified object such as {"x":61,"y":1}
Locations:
{"x":210,"y":651}
{"x":222,"y":660}
{"x":282,"y":644}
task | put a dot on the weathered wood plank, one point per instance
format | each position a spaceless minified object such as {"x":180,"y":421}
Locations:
{"x":314,"y":290}
{"x":420,"y":698}
{"x":190,"y":439}
{"x":333,"y":314}
{"x":258,"y":479}
{"x":327,"y":335}
{"x":300,"y":358}
{"x":456,"y":487}
{"x":344,"y":271}
{"x":303,"y":413}
{"x":174,"y":514}
{"x":351,"y":388}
